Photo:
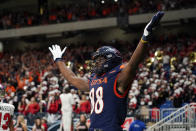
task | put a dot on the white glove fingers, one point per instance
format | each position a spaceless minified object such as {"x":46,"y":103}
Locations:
{"x":56,"y":51}
{"x":53,"y":47}
{"x":58,"y":47}
{"x":64,"y":49}
{"x":50,"y":49}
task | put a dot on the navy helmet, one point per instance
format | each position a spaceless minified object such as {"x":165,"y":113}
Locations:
{"x":112,"y":56}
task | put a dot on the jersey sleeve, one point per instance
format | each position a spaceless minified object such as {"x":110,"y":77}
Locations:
{"x":116,"y":92}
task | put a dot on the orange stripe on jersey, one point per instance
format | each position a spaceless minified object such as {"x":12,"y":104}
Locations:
{"x":115,"y":89}
{"x":122,"y":66}
{"x":112,"y":71}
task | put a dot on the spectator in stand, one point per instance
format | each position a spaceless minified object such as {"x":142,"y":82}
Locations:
{"x":32,"y":109}
{"x":67,"y":102}
{"x":155,"y":114}
{"x":20,"y":81}
{"x":33,"y":106}
{"x":84,"y":105}
{"x":132,"y":103}
{"x":38,"y":125}
{"x":52,"y":108}
{"x":21,"y":124}
{"x":22,"y":105}
{"x":42,"y":103}
{"x":144,"y":112}
{"x":137,"y":124}
{"x":82,"y":125}
{"x":10,"y":89}
{"x":44,"y":123}
{"x":53,"y":105}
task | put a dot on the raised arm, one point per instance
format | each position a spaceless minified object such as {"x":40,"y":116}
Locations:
{"x":80,"y":83}
{"x":128,"y":73}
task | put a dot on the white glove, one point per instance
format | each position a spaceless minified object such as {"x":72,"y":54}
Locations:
{"x":57,"y":52}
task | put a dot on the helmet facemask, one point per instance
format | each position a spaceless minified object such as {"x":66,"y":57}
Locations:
{"x":98,"y":65}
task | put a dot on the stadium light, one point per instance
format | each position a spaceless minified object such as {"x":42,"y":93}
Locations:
{"x":115,"y":0}
{"x":102,"y":1}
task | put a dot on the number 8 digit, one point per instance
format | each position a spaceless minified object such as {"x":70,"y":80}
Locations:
{"x":99,"y":96}
{"x":99,"y":104}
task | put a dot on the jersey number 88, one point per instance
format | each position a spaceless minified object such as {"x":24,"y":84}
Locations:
{"x":97,"y":105}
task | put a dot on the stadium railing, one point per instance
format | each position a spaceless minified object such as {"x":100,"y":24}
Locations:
{"x":180,"y":120}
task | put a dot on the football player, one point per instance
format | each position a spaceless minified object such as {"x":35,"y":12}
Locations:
{"x":109,"y":84}
{"x":6,"y":113}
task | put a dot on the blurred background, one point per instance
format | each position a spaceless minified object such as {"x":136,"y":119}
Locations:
{"x":166,"y":80}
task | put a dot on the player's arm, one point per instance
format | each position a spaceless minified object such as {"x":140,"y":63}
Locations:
{"x":128,"y":73}
{"x":79,"y":83}
{"x":11,"y":125}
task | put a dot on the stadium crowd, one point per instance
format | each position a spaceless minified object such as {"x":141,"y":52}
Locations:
{"x":33,"y":82}
{"x":92,"y":10}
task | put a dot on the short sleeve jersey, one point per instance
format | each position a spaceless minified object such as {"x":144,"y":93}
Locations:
{"x":108,"y":107}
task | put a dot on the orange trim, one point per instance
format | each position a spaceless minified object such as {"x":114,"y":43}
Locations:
{"x":116,"y":93}
{"x":122,"y":66}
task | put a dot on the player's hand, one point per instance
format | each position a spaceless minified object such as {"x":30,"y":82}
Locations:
{"x":57,"y":52}
{"x":151,"y":25}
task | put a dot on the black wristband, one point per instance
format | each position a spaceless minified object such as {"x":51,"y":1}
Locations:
{"x":147,"y":38}
{"x":58,"y":59}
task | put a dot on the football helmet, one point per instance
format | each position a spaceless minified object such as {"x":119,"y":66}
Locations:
{"x":112,"y":59}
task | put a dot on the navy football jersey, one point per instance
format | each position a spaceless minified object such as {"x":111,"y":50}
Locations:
{"x":108,"y":107}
